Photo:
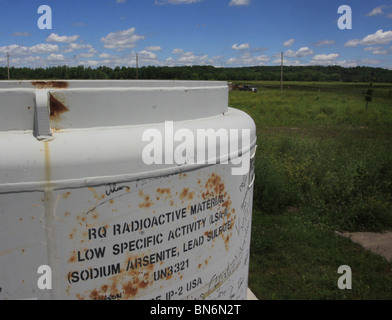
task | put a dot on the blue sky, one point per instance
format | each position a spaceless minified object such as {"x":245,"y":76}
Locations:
{"x":229,"y":33}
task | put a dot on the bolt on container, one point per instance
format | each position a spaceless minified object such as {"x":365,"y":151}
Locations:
{"x":124,"y":190}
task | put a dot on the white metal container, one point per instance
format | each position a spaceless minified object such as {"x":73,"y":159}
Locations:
{"x":84,"y":216}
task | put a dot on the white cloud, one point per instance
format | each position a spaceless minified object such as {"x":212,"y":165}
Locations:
{"x":54,"y":37}
{"x":89,"y":54}
{"x":237,"y":3}
{"x":44,"y":48}
{"x":352,"y":43}
{"x":372,"y":48}
{"x":377,"y":50}
{"x":104,"y":55}
{"x":289,"y":53}
{"x":324,"y":43}
{"x":27,"y":61}
{"x":120,"y":40}
{"x":376,"y":11}
{"x":302,"y":52}
{"x":154,"y":48}
{"x":55,"y":57}
{"x":115,"y":60}
{"x":189,"y":58}
{"x":79,"y":24}
{"x":240,"y":47}
{"x":247,"y":59}
{"x":147,"y":55}
{"x":381,"y":52}
{"x":177,"y":51}
{"x":90,"y":63}
{"x":288,"y":62}
{"x":378,"y":38}
{"x":21,"y":34}
{"x":176,"y":1}
{"x":129,"y":59}
{"x":357,"y":62}
{"x":289,"y":43}
{"x":17,"y":50}
{"x":324,"y":59}
{"x":76,"y":46}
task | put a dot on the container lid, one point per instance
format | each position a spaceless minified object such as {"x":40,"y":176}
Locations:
{"x":57,"y":134}
{"x":28,"y":105}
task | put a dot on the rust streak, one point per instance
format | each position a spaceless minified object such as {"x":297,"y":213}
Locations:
{"x":48,"y":173}
{"x":50,"y":84}
{"x":57,"y":108}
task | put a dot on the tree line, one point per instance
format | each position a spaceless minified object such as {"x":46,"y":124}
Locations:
{"x":257,"y":73}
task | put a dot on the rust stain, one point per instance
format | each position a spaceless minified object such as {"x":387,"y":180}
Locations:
{"x":95,"y":215}
{"x":147,"y":200}
{"x":66,"y":195}
{"x":96,"y":195}
{"x":215,"y":184}
{"x":164,"y":194}
{"x":72,"y":258}
{"x":130,"y":289}
{"x":163,"y":191}
{"x":72,"y":234}
{"x":227,"y":203}
{"x":50,"y":84}
{"x":123,"y":286}
{"x":186,"y":194}
{"x":57,"y":108}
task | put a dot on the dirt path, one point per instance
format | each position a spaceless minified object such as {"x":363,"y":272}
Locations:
{"x":380,"y":243}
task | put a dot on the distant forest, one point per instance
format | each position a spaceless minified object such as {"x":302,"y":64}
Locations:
{"x":291,"y":73}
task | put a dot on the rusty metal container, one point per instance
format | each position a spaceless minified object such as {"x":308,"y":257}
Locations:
{"x":79,"y":200}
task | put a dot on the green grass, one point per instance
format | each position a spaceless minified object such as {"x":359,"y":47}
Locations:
{"x":324,"y":163}
{"x":304,"y":105}
{"x":294,"y":258}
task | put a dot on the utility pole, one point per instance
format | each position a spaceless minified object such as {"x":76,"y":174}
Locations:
{"x":8,"y":64}
{"x":137,"y":66}
{"x":281,"y":72}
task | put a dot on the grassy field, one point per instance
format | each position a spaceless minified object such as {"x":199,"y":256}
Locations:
{"x":324,"y":164}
